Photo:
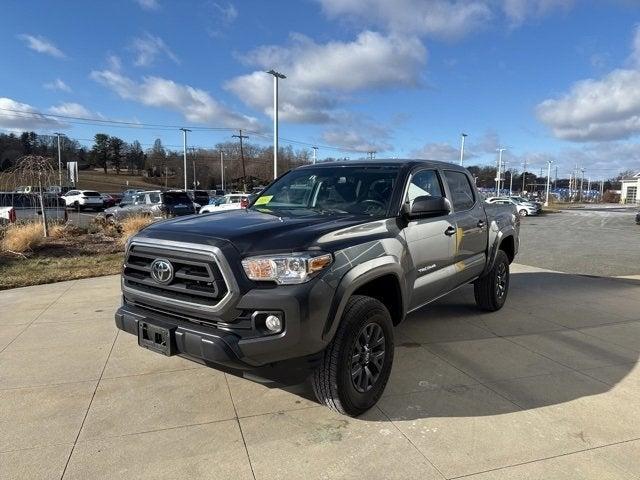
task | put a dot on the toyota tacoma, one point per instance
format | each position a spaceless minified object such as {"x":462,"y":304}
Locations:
{"x":312,"y":278}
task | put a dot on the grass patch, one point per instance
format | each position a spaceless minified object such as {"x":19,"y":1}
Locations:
{"x":21,"y":238}
{"x":21,"y":272}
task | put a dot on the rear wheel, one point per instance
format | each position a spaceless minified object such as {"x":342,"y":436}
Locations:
{"x":357,"y":363}
{"x":491,"y":290}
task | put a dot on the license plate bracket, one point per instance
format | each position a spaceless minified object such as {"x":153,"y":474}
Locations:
{"x":156,"y":338}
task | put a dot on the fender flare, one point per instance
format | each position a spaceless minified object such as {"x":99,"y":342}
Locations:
{"x":357,"y":277}
{"x":493,"y":249}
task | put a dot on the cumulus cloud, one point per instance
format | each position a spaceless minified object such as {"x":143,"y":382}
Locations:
{"x":148,"y":48}
{"x":148,"y":4}
{"x":320,"y":76}
{"x":194,"y":104}
{"x":518,"y":11}
{"x":72,"y":109}
{"x":17,"y":116}
{"x":441,"y":151}
{"x":57,"y":84}
{"x":439,"y":18}
{"x":598,"y":109}
{"x":356,"y":132}
{"x":41,"y":45}
{"x":226,"y":13}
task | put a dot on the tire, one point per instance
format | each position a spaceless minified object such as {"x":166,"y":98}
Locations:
{"x":332,"y":381}
{"x":492,"y":289}
{"x":523,"y":213}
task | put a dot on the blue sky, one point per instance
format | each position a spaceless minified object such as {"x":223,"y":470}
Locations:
{"x":548,"y":79}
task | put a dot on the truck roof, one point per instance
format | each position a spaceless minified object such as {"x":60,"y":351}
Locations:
{"x":403,"y":162}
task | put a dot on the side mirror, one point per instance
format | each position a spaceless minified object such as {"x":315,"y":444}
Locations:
{"x":427,"y":206}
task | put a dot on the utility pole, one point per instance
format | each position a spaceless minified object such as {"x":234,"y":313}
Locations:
{"x":555,"y":181}
{"x":315,"y":151}
{"x":59,"y":162}
{"x":244,"y":173}
{"x":463,"y":136}
{"x":184,"y":152}
{"x":499,"y":174}
{"x":276,"y":77}
{"x":601,"y":190}
{"x":582,"y":186}
{"x":549,"y":162}
{"x":524,"y":175}
{"x":222,"y":169}
{"x":510,"y":183}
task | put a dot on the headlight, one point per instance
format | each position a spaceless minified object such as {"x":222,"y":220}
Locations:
{"x":285,"y":269}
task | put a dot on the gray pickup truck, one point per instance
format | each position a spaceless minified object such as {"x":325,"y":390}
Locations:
{"x":310,"y":280}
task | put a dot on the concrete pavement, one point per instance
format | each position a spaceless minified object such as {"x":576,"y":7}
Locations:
{"x":546,"y":388}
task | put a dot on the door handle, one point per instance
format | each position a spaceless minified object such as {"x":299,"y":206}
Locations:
{"x":481,"y":224}
{"x":450,"y":231}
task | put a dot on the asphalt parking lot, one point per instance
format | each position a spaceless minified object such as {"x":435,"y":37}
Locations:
{"x":547,"y":387}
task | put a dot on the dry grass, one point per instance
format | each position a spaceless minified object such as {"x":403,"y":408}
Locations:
{"x":22,"y":238}
{"x":21,"y":272}
{"x":132,"y":225}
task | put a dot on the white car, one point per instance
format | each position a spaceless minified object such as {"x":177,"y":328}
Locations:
{"x":231,"y":201}
{"x":523,"y":208}
{"x":82,"y":199}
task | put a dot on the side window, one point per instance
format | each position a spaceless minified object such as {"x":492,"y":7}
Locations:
{"x":72,"y":192}
{"x":461,"y":190}
{"x":154,"y":198}
{"x":138,"y":198}
{"x":424,"y":183}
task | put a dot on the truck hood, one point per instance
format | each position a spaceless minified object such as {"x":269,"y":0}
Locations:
{"x":253,"y":232}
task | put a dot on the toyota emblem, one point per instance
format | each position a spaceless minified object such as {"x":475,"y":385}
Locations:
{"x":162,"y":271}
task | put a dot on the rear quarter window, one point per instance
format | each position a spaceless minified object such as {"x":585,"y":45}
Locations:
{"x":462,"y":195}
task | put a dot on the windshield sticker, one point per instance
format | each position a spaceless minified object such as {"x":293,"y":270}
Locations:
{"x":263,"y":200}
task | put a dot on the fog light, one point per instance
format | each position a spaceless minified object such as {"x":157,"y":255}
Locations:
{"x":273,"y":323}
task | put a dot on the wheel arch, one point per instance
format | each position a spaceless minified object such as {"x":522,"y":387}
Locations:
{"x":380,"y":278}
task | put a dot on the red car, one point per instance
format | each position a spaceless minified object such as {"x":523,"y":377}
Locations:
{"x":108,"y":200}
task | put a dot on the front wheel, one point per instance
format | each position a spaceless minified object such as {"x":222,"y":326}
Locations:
{"x":491,"y":290}
{"x":357,"y":363}
{"x":523,"y":213}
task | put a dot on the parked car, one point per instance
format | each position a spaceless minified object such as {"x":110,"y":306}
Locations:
{"x":26,"y":206}
{"x":201,"y":197}
{"x":524,"y":209}
{"x":155,"y":203}
{"x":638,"y":218}
{"x":83,"y":199}
{"x":108,"y":200}
{"x":231,"y":201}
{"x":521,"y":199}
{"x":311,"y":279}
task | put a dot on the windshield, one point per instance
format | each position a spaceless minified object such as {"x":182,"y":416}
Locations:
{"x":342,"y":189}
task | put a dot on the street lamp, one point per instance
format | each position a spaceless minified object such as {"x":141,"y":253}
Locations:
{"x":59,"y":162}
{"x":499,"y":174}
{"x":549,"y":162}
{"x":463,"y":136}
{"x":184,"y":153}
{"x":276,"y":77}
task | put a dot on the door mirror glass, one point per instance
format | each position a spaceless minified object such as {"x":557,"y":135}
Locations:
{"x":427,"y":206}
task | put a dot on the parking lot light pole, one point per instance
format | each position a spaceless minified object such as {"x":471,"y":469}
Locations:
{"x":222,"y":169}
{"x":315,"y":152}
{"x":59,"y":162}
{"x":276,"y":77}
{"x":463,"y":136}
{"x":184,"y":151}
{"x":499,"y":174}
{"x":549,"y":162}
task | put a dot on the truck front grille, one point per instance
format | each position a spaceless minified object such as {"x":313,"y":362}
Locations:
{"x":196,"y":278}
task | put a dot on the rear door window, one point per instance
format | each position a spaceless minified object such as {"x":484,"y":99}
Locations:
{"x":462,"y":195}
{"x":154,"y":198}
{"x":174,"y":198}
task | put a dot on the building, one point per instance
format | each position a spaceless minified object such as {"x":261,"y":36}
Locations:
{"x":631,"y":190}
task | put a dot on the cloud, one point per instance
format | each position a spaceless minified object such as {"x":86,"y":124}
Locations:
{"x":147,"y":49}
{"x":57,"y":84}
{"x":321,"y":76}
{"x":18,"y":116}
{"x":71,"y":109}
{"x":598,"y":109}
{"x":518,"y":11}
{"x":194,"y":104}
{"x":226,"y":14}
{"x":448,"y":19}
{"x":42,"y":45}
{"x":148,"y":4}
{"x":438,"y":151}
{"x":358,"y":132}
